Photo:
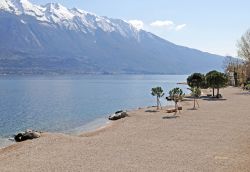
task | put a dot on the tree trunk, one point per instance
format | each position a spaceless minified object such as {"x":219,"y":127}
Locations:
{"x":213,"y":91}
{"x":197,"y":103}
{"x":218,"y":91}
{"x":160,"y":104}
{"x":157,"y":100}
{"x":194,"y":104}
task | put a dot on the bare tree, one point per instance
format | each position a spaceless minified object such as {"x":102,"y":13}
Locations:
{"x":244,"y":46}
{"x":228,"y":64}
{"x":244,"y":52}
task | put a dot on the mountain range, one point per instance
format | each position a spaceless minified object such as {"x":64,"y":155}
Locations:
{"x":39,"y":39}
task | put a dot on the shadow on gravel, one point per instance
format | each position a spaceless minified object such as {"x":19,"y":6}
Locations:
{"x":151,"y":111}
{"x":170,"y":117}
{"x":192,"y":109}
{"x":213,"y":99}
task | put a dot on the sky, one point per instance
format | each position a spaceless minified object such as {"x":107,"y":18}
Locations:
{"x":213,"y":25}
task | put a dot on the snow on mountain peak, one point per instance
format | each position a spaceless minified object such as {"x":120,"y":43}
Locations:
{"x":73,"y":19}
{"x":76,"y":10}
{"x":58,"y":11}
{"x":19,"y":7}
{"x":3,"y":4}
{"x":25,"y":3}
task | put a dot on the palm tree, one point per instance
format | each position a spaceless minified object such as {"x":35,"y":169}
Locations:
{"x":176,"y":95}
{"x":195,"y":92}
{"x":158,"y":92}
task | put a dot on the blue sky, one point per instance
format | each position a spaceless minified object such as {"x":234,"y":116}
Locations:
{"x":213,"y":25}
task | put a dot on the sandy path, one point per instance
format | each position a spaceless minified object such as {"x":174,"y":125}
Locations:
{"x":214,"y":138}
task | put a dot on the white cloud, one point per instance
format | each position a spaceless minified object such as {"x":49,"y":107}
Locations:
{"x":180,"y":27}
{"x":168,"y":24}
{"x":165,"y":24}
{"x":137,"y":23}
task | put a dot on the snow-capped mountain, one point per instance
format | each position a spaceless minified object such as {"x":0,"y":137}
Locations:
{"x":72,"y":19}
{"x":53,"y":38}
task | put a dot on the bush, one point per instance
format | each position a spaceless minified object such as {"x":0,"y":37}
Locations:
{"x":196,"y":80}
{"x":247,"y":87}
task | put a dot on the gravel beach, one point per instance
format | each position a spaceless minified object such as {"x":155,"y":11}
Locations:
{"x":215,"y":138}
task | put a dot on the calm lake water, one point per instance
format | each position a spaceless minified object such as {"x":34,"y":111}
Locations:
{"x":73,"y":103}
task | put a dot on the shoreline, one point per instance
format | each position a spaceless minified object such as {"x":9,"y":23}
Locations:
{"x":213,"y":138}
{"x":93,"y":127}
{"x":89,"y":129}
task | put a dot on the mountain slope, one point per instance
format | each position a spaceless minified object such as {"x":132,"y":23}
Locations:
{"x":54,"y":39}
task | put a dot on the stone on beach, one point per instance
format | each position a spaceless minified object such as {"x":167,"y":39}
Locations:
{"x":118,"y":115}
{"x":27,"y":135}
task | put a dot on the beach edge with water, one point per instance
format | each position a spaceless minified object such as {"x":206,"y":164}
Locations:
{"x":212,"y":138}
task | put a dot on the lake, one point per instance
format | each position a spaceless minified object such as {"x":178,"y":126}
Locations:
{"x":72,"y":104}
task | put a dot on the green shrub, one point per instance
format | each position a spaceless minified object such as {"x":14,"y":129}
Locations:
{"x":247,"y":87}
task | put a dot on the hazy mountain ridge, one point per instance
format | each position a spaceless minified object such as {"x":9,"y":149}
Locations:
{"x":54,"y":39}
